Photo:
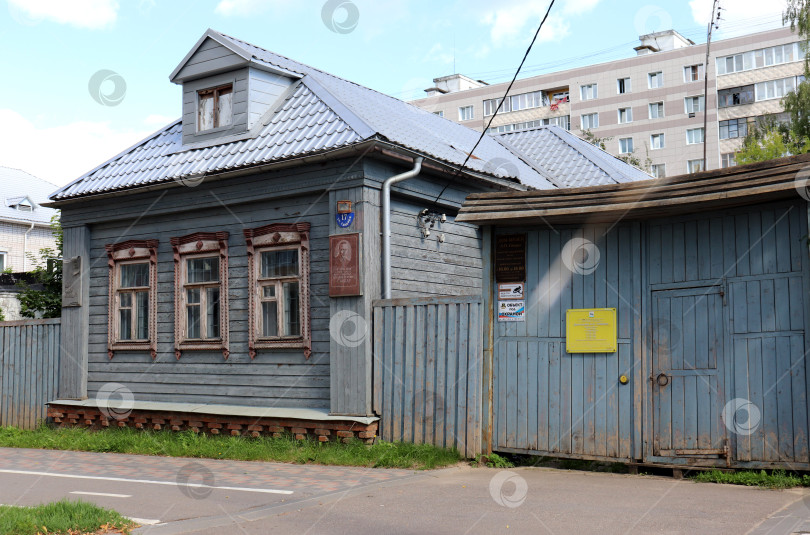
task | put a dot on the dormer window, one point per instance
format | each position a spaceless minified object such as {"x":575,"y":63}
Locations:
{"x":215,"y":107}
{"x":23,"y":204}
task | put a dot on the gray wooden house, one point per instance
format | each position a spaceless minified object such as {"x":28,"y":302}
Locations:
{"x":662,"y":322}
{"x":222,"y":271}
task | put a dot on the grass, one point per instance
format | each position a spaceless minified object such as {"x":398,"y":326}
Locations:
{"x":62,"y":517}
{"x":776,"y":479}
{"x":189,"y":444}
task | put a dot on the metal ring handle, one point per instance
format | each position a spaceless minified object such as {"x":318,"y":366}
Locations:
{"x":662,"y":379}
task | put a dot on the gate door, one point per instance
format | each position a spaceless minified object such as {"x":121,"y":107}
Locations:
{"x":686,"y":380}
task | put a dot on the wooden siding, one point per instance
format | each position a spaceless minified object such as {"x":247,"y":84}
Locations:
{"x":73,"y":361}
{"x":29,"y":370}
{"x":211,"y":57}
{"x":424,"y":266}
{"x":549,"y":401}
{"x":264,"y":89}
{"x":428,"y":371}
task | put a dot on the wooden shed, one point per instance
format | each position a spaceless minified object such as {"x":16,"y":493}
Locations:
{"x":659,"y":322}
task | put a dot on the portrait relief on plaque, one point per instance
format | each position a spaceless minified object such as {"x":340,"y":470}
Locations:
{"x":344,"y":265}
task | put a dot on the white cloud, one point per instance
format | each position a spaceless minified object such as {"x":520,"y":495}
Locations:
{"x":60,"y":154}
{"x":739,"y":17}
{"x":91,"y":14}
{"x":246,"y":8}
{"x":157,"y":120}
{"x":438,"y":54}
{"x":513,"y":21}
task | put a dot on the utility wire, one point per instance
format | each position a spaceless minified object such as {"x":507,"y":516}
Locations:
{"x":506,"y":94}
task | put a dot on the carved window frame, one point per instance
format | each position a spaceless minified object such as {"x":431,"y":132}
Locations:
{"x":130,"y":252}
{"x":278,"y":236}
{"x":200,"y":244}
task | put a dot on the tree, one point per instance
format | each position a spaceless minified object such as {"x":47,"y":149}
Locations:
{"x":47,"y":301}
{"x":630,"y":159}
{"x":798,"y":14}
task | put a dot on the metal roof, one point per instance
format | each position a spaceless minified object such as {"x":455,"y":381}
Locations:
{"x":572,"y":161}
{"x":17,"y":185}
{"x":323,"y":112}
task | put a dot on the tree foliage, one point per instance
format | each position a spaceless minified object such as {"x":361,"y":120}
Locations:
{"x":797,"y":13}
{"x":43,"y":298}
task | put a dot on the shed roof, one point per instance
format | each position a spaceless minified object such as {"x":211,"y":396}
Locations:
{"x":746,"y":184}
{"x":320,"y":114}
{"x":16,"y":186}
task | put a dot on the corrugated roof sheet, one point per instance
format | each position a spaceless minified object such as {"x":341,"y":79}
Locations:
{"x":572,"y":161}
{"x":16,"y":185}
{"x":324,"y":112}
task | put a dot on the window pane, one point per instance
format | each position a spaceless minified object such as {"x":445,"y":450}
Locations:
{"x":193,"y":321}
{"x":193,"y":296}
{"x":203,"y":269}
{"x":126,"y":300}
{"x":125,"y":323}
{"x":212,"y":313}
{"x":269,"y":291}
{"x":292,"y":324}
{"x":205,"y":115}
{"x":142,"y":315}
{"x":748,"y":60}
{"x":225,"y":107}
{"x":269,"y":318}
{"x":279,"y":263}
{"x":134,"y":275}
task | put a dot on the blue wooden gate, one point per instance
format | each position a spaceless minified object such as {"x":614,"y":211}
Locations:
{"x":688,"y":337}
{"x":29,"y":370}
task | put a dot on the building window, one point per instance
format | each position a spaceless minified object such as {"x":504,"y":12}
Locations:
{"x":278,"y":267}
{"x":733,"y":128}
{"x":693,"y":73}
{"x":657,"y":141}
{"x":655,"y":79}
{"x":728,"y":159}
{"x":694,"y":136}
{"x":623,"y":85}
{"x":201,"y":292}
{"x":526,"y":101}
{"x":491,"y":105}
{"x":656,"y":110}
{"x":659,"y":170}
{"x":588,"y":92}
{"x":563,"y":121}
{"x":625,"y":115}
{"x":735,"y":96}
{"x":466,"y":113}
{"x":756,"y":59}
{"x":776,"y":88}
{"x":214,"y":107}
{"x":590,"y":120}
{"x":694,"y":166}
{"x":2,"y":261}
{"x":560,"y":96}
{"x":693,"y":105}
{"x":625,"y":145}
{"x":440,"y":113}
{"x":132,"y":303}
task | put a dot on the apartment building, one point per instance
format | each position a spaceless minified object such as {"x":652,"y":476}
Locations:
{"x":650,"y":105}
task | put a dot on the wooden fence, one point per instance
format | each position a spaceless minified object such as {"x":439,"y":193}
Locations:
{"x":428,"y":357}
{"x":29,"y":370}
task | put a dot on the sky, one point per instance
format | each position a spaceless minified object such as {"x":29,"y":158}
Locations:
{"x":85,"y":79}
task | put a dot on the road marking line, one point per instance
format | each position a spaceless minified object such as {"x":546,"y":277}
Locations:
{"x":101,"y":494}
{"x":147,"y":481}
{"x":145,"y":521}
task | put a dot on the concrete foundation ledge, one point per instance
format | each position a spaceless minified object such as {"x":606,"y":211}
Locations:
{"x":212,"y":419}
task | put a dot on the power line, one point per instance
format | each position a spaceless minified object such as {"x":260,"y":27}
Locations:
{"x":500,"y":103}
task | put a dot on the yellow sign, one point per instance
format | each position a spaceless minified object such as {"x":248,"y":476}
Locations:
{"x":590,"y":330}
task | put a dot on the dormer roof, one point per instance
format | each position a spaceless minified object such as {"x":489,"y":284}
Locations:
{"x":21,"y":195}
{"x":242,"y":57}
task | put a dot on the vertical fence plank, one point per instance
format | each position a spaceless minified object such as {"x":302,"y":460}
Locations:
{"x":428,"y":370}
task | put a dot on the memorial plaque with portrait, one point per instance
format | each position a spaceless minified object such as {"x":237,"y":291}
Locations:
{"x":344,"y":265}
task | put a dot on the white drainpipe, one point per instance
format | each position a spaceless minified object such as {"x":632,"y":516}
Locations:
{"x":386,"y":223}
{"x":25,"y":247}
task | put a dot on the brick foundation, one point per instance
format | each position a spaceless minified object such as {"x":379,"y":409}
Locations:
{"x":321,"y":430}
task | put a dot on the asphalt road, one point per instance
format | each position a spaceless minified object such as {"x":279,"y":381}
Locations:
{"x":170,"y":495}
